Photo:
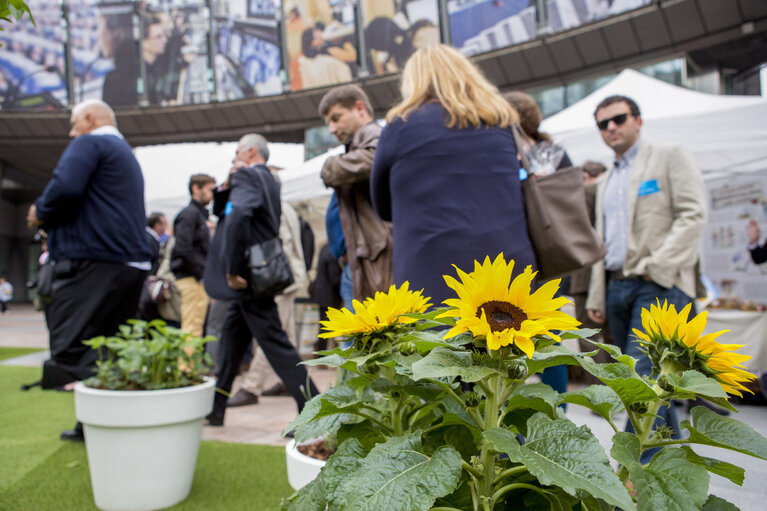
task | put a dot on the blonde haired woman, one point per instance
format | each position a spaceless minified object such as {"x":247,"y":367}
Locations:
{"x":446,"y":173}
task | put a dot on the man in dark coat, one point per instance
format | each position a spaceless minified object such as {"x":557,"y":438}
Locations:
{"x":93,"y":212}
{"x":252,"y":216}
{"x":187,"y":261}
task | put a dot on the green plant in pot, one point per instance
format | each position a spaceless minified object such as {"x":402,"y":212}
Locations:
{"x":142,"y":414}
{"x":149,"y":356}
{"x":437,"y":415}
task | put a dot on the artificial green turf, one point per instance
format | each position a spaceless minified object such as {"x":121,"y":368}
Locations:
{"x":38,"y":472}
{"x":6,"y":353}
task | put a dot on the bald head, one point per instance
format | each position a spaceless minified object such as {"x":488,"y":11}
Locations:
{"x":89,"y":115}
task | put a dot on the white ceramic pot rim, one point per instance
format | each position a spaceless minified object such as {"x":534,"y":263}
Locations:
{"x":292,"y":450}
{"x":84,"y":389}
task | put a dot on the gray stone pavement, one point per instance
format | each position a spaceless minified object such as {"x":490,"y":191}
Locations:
{"x":263,"y":423}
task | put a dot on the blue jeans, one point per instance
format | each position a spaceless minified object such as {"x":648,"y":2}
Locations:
{"x":347,"y":293}
{"x":625,"y":301}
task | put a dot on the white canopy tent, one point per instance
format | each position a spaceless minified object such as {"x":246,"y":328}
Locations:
{"x":724,"y":133}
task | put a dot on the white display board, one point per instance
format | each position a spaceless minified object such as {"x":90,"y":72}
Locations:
{"x":732,"y":202}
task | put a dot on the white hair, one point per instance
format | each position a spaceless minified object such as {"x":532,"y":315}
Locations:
{"x":88,"y":103}
{"x":256,"y":141}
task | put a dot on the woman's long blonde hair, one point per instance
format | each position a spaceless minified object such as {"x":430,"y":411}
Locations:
{"x":440,"y":73}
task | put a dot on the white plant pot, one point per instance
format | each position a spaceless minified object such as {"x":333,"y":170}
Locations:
{"x":142,"y":445}
{"x":302,"y":469}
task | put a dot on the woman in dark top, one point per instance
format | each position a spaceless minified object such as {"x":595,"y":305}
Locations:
{"x":446,"y":174}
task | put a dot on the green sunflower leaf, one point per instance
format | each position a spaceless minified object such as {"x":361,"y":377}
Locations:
{"x":553,"y":356}
{"x":708,"y":428}
{"x":537,"y":396}
{"x":669,"y":482}
{"x":622,"y":379}
{"x":336,"y":400}
{"x":309,"y":498}
{"x":599,"y":398}
{"x":715,"y":503}
{"x":339,"y":468}
{"x":721,"y":468}
{"x":396,"y":476}
{"x":694,"y":383}
{"x":446,"y":363}
{"x":558,"y":453}
{"x":616,"y":353}
{"x":583,"y":333}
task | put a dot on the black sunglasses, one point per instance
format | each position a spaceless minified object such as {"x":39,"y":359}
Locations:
{"x":618,"y":120}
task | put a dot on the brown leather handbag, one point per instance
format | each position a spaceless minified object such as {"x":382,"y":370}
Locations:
{"x":558,"y":222}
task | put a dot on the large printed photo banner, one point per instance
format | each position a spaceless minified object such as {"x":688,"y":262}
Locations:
{"x":248,"y":60}
{"x":394,"y":29}
{"x":174,"y":48}
{"x":733,"y":202}
{"x":478,"y":26}
{"x":321,"y":42}
{"x":104,"y":54}
{"x":32,"y":59}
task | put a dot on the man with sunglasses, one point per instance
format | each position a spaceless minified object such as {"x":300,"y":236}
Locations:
{"x":650,"y":210}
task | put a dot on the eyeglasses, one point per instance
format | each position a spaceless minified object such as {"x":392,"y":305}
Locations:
{"x":618,"y":120}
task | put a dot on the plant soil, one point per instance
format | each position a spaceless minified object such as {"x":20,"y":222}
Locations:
{"x":317,"y":450}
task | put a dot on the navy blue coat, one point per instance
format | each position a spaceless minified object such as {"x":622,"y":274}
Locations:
{"x":453,"y":195}
{"x":93,"y":207}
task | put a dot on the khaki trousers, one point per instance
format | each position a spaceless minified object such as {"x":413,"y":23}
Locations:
{"x":194,"y":305}
{"x":260,"y":374}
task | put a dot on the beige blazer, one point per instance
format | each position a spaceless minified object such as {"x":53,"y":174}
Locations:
{"x":665,"y":227}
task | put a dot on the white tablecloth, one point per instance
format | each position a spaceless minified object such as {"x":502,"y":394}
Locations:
{"x":746,"y":327}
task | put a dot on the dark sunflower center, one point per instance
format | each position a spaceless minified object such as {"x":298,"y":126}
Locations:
{"x":502,"y":315}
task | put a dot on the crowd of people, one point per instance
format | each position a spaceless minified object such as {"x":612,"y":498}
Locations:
{"x":439,"y":186}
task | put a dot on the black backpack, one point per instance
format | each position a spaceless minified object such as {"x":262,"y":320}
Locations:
{"x":307,"y":241}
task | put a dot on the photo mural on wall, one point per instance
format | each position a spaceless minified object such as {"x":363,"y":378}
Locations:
{"x":394,"y":29}
{"x":321,"y":42}
{"x":32,"y":63}
{"x":104,"y":55}
{"x":247,"y":49}
{"x":174,"y":48}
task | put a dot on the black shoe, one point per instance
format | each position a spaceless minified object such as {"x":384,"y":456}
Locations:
{"x":214,"y":420}
{"x":242,"y":398}
{"x":702,"y":402}
{"x":73,"y":435}
{"x":290,"y":434}
{"x":277,"y":390}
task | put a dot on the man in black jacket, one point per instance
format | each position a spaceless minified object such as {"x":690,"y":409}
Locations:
{"x":93,"y":212}
{"x":247,"y":219}
{"x":187,"y":261}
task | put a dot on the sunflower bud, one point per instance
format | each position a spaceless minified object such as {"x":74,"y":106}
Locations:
{"x":471,"y":399}
{"x":407,"y":348}
{"x":639,"y":407}
{"x":664,"y":432}
{"x":516,"y":370}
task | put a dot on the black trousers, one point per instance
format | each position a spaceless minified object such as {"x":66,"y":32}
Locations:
{"x":90,"y":298}
{"x":246,"y":319}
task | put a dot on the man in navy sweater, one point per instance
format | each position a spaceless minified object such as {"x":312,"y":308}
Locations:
{"x":93,"y":212}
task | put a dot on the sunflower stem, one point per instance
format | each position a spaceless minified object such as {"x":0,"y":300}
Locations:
{"x":488,"y":454}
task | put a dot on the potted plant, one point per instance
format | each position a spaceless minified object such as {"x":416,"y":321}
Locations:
{"x":305,"y":460}
{"x":438,"y":415}
{"x":142,"y":414}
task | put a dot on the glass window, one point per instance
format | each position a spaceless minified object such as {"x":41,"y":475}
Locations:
{"x":550,"y":101}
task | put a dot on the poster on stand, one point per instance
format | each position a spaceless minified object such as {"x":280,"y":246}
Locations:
{"x":321,"y":41}
{"x":394,"y":29}
{"x":174,"y":47}
{"x":32,"y":60}
{"x":734,"y":202}
{"x":247,"y":58}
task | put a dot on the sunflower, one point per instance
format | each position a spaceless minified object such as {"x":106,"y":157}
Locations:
{"x":669,"y":336}
{"x":489,"y":303}
{"x":376,"y":313}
